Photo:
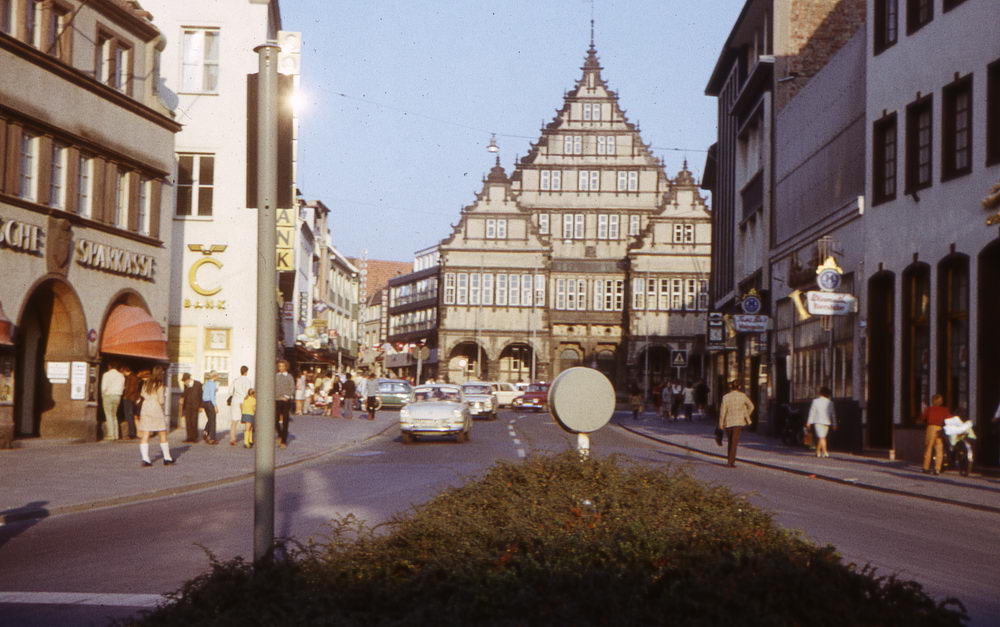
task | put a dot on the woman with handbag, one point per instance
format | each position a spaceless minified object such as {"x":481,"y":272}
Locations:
{"x":822,"y":419}
{"x":152,"y":417}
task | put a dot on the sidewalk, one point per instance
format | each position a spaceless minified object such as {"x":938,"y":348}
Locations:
{"x":43,"y":479}
{"x":896,"y":477}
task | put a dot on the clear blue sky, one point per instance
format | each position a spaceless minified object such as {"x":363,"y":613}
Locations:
{"x":401,"y":97}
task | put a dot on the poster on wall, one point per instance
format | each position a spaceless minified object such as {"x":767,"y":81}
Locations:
{"x":6,"y":378}
{"x":78,"y":381}
{"x":57,"y":371}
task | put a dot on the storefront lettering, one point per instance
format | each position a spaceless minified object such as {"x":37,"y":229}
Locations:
{"x":207,"y":303}
{"x":20,"y":236}
{"x":114,"y":260}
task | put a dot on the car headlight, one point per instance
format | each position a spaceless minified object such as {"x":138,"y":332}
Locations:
{"x":457,"y":413}
{"x":404,"y":413}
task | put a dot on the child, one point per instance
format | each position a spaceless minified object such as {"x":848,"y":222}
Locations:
{"x":248,"y":408}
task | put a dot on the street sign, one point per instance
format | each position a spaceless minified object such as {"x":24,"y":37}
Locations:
{"x":830,"y":303}
{"x":679,"y":358}
{"x":747,"y":323}
{"x":582,"y":399}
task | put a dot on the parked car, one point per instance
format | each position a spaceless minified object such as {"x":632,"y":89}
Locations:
{"x":505,"y":393}
{"x":535,"y":397}
{"x":480,"y":398}
{"x":437,"y":409}
{"x":394,"y":393}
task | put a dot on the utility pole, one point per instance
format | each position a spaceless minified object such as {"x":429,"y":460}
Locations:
{"x":267,"y":320}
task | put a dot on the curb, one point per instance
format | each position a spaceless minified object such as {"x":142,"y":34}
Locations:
{"x":38,"y":514}
{"x":813,"y":475}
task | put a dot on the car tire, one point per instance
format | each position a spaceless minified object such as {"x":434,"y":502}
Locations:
{"x":408,"y":438}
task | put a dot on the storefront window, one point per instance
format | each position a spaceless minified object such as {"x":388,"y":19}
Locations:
{"x":953,"y":327}
{"x":916,"y":341}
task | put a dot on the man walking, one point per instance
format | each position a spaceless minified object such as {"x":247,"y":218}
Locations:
{"x":238,"y":393}
{"x":208,"y":393}
{"x":734,"y":415}
{"x":284,"y":393}
{"x":350,"y":393}
{"x":112,"y":388}
{"x":371,"y":394}
{"x":130,"y":400}
{"x":190,"y":406}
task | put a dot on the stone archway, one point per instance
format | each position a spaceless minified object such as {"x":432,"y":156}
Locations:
{"x":515,"y":363}
{"x":52,"y":334}
{"x":467,"y":361}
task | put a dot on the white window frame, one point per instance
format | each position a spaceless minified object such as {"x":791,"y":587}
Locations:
{"x":85,"y":185}
{"x":677,"y":294}
{"x":633,"y":181}
{"x":540,"y":290}
{"x":619,"y":294}
{"x":488,"y":288}
{"x":27,"y":187}
{"x":502,"y":290}
{"x":491,"y":229}
{"x":602,"y":226}
{"x":602,"y":145}
{"x":571,"y":294}
{"x":122,"y":195}
{"x":702,"y":295}
{"x":560,"y":294}
{"x":545,"y":180}
{"x":543,"y":223}
{"x":622,"y":185}
{"x":474,"y":288}
{"x":57,"y":176}
{"x":638,"y":293}
{"x":502,"y":228}
{"x":567,"y":144}
{"x":514,"y":286}
{"x":197,"y":69}
{"x":598,"y":294}
{"x":652,"y":300}
{"x":612,"y":147}
{"x":581,"y":294}
{"x":664,"y":296}
{"x":567,"y":230}
{"x":196,"y":186}
{"x":556,"y":180}
{"x":449,"y":288}
{"x":578,"y":226}
{"x":462,"y":292}
{"x":578,"y":144}
{"x":689,"y":234}
{"x":613,"y":221}
{"x":634,"y":225}
{"x":526,"y":290}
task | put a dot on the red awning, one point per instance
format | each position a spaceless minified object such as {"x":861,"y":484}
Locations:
{"x":6,"y":329}
{"x":133,"y":332}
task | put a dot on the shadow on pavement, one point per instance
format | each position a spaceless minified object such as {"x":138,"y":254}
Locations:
{"x":17,"y":520}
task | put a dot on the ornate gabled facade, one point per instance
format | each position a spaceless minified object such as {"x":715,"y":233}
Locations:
{"x":588,"y":254}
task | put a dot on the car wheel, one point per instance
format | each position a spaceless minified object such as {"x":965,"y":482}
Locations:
{"x":408,"y":438}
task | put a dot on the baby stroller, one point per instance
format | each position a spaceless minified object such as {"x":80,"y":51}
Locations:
{"x":958,"y":435}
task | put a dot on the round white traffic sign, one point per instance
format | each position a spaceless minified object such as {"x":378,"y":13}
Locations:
{"x":582,"y":399}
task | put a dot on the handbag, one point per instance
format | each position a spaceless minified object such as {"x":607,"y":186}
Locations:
{"x":807,"y":439}
{"x":229,"y":401}
{"x":718,"y":436}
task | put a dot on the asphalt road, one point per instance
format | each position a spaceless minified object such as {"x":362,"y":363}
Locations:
{"x":152,"y":547}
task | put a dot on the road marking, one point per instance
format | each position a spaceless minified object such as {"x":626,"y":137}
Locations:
{"x":521,"y":453}
{"x":517,"y":442}
{"x":82,"y":598}
{"x":366,"y":453}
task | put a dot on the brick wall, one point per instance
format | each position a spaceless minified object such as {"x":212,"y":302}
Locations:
{"x":817,"y":30}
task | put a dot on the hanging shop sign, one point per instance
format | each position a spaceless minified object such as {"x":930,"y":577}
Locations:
{"x":829,"y":275}
{"x":114,"y":260}
{"x":751,"y":303}
{"x":748,"y":323}
{"x":830,"y":303}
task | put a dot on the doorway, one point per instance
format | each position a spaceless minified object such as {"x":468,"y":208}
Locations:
{"x":881,"y":347}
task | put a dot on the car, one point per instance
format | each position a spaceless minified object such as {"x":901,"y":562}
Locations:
{"x":535,"y":397}
{"x":436,"y":409}
{"x":505,"y":393}
{"x":394,"y":393}
{"x":479,"y":396}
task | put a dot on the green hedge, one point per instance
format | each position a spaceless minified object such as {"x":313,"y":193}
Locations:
{"x":557,"y":541}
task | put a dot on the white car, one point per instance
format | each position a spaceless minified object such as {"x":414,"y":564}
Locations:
{"x":480,"y":399}
{"x":437,"y":409}
{"x":505,"y":393}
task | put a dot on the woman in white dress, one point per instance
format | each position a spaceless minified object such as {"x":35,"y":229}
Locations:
{"x":152,"y":417}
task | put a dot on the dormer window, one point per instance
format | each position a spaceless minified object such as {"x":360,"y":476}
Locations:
{"x":592,"y":111}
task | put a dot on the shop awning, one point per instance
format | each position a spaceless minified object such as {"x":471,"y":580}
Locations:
{"x":133,"y":332}
{"x":6,"y":329}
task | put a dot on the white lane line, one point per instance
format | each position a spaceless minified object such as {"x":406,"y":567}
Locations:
{"x":82,"y":598}
{"x":521,"y":453}
{"x":511,"y":421}
{"x":517,"y":442}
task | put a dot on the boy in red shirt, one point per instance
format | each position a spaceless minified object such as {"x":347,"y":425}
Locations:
{"x":934,"y":416}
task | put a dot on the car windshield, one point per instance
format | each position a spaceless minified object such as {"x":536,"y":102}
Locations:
{"x":476,"y":389}
{"x":435,"y":394}
{"x":537,"y":387}
{"x":392,"y":388}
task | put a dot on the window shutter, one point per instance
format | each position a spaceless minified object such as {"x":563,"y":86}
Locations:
{"x":110,"y":187}
{"x":72,"y":170}
{"x":155,"y":191}
{"x":133,"y":201}
{"x":6,"y":163}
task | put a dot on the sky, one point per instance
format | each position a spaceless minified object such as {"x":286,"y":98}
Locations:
{"x":400,"y":97}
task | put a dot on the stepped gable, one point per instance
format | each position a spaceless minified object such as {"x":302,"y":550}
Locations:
{"x":589,"y":87}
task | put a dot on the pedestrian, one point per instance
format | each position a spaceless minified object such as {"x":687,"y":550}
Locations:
{"x":688,"y":404}
{"x":336,"y":394}
{"x":371,"y":394}
{"x":822,"y":419}
{"x":934,"y":417}
{"x":657,"y":395}
{"x":701,"y":397}
{"x":190,"y":406}
{"x":676,"y":399}
{"x":284,"y":394}
{"x":152,"y":417}
{"x":112,"y":388}
{"x":635,"y":401}
{"x":350,"y":393}
{"x":300,"y":393}
{"x":238,"y":391}
{"x":248,"y":409}
{"x":130,"y":400}
{"x":209,"y":390}
{"x":666,"y":398}
{"x":734,"y":415}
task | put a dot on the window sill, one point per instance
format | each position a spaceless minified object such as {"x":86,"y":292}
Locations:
{"x":193,"y":218}
{"x":950,"y":176}
{"x":198,"y":93}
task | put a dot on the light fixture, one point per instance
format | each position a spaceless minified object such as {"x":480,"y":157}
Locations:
{"x":492,"y":147}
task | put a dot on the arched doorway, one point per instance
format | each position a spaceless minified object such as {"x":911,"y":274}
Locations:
{"x":52,"y":334}
{"x":516,"y":363}
{"x":953,"y":332}
{"x":653,"y":366}
{"x":606,"y":363}
{"x":916,"y":366}
{"x":881,"y":346}
{"x":568,"y":358}
{"x":986,"y":348}
{"x":467,"y":362}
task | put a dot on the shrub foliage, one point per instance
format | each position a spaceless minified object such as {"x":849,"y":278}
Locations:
{"x":557,"y":541}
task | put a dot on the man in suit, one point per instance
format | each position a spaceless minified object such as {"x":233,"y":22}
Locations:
{"x":190,"y":405}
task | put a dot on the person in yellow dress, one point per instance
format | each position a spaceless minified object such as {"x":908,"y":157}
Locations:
{"x":248,"y":408}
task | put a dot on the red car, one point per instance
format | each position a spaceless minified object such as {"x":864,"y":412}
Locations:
{"x":535,"y":397}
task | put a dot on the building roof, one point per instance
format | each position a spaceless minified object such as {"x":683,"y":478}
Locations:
{"x":379,"y":272}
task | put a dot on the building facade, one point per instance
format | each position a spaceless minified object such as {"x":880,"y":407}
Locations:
{"x":587,"y":254}
{"x":205,"y":66}
{"x":86,"y":155}
{"x":414,"y":305}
